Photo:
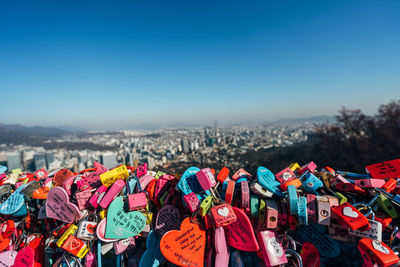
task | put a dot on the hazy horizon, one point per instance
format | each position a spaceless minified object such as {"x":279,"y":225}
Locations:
{"x":104,"y":65}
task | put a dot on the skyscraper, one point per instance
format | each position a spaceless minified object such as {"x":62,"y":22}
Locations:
{"x":39,"y":161}
{"x":14,"y":161}
{"x":109,"y":160}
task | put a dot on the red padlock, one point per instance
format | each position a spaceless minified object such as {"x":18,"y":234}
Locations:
{"x":223,"y":174}
{"x":376,"y":252}
{"x":347,"y":187}
{"x":390,"y":185}
{"x":350,"y":217}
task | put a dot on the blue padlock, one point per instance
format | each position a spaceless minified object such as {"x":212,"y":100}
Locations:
{"x":267,"y":180}
{"x":311,"y":183}
{"x":302,"y":210}
{"x":292,"y":198}
{"x":188,"y":182}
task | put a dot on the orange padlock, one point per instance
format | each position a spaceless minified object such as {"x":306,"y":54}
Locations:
{"x":296,"y":182}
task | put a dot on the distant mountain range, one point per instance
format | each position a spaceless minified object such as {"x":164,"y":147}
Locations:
{"x":32,"y":131}
{"x":314,"y":119}
{"x":17,"y":131}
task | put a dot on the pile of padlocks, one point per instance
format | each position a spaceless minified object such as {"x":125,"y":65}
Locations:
{"x":136,"y":217}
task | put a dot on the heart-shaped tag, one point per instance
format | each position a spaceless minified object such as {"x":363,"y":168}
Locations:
{"x":4,"y":243}
{"x":349,"y":212}
{"x":58,"y":206}
{"x":101,"y":230}
{"x":240,"y":234}
{"x":121,"y":224}
{"x":91,"y":228}
{"x":223,"y":212}
{"x":167,"y":219}
{"x":310,"y":255}
{"x":14,"y":204}
{"x":25,"y":257}
{"x":7,"y":258}
{"x":379,"y":247}
{"x":185,"y":247}
{"x":152,"y":256}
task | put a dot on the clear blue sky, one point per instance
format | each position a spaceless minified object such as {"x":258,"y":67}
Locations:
{"x":114,"y":64}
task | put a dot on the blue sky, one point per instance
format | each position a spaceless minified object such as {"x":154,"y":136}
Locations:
{"x":100,"y":64}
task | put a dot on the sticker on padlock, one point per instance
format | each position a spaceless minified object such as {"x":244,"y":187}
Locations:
{"x":374,"y":232}
{"x":374,"y":251}
{"x":272,"y":251}
{"x":75,"y":246}
{"x":323,"y":210}
{"x":86,"y":230}
{"x":285,"y":175}
{"x":223,"y":215}
{"x":272,"y":214}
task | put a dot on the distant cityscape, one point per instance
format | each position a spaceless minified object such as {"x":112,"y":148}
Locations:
{"x":162,"y":148}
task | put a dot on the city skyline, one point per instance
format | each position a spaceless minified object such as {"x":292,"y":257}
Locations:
{"x":100,"y":65}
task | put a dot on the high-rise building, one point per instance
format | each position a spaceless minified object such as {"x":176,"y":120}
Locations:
{"x":109,"y":160}
{"x":49,"y":159}
{"x":129,"y":159}
{"x":14,"y":161}
{"x":185,"y":146}
{"x":39,"y":161}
